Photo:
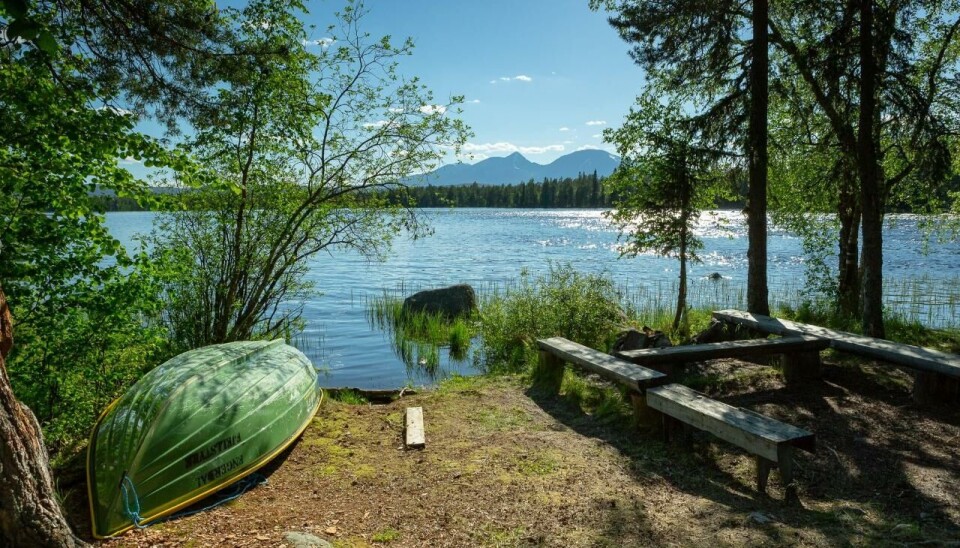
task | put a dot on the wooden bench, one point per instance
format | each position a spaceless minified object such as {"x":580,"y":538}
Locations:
{"x":770,"y":440}
{"x":937,"y":373}
{"x":557,"y":350}
{"x":801,"y":354}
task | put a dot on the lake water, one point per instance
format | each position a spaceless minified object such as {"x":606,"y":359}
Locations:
{"x":490,"y":247}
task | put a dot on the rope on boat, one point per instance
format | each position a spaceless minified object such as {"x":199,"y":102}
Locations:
{"x":131,"y":502}
{"x":237,"y":490}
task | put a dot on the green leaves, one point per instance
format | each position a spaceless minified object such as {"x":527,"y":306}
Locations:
{"x":302,"y":142}
{"x":26,"y":27}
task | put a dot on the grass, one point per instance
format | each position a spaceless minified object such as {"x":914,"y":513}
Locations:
{"x":606,"y":403}
{"x":418,"y":337}
{"x":387,"y":535}
{"x":350,"y":397}
{"x":536,"y":465}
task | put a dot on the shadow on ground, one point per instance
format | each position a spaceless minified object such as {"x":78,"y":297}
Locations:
{"x":885,"y":469}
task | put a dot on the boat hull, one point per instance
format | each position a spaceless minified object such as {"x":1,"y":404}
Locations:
{"x":194,"y":425}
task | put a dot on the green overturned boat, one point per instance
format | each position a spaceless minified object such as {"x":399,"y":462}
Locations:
{"x":194,"y":425}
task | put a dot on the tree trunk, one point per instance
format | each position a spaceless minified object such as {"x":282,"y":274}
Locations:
{"x":682,"y":292}
{"x":29,"y":513}
{"x":870,"y":192}
{"x":757,"y":298}
{"x":848,"y":213}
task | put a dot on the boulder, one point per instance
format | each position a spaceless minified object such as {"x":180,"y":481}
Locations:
{"x":632,"y":339}
{"x":655,"y":339}
{"x":717,"y":331}
{"x":453,"y":301}
{"x":299,"y":539}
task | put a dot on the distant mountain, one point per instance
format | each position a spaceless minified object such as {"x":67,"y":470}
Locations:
{"x":582,"y":161}
{"x":515,"y":168}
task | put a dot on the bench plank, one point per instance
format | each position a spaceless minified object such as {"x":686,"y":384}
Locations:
{"x":907,"y":355}
{"x":729,"y":349}
{"x":634,"y":376}
{"x":754,"y":432}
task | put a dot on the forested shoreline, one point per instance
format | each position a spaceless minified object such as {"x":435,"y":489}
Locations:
{"x":582,"y":191}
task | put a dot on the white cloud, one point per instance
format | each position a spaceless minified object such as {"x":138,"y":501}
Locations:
{"x":473,"y":102}
{"x":119,"y":111}
{"x":517,"y":78}
{"x":568,"y":142}
{"x":503,"y":147}
{"x":588,"y":147}
{"x":322,"y":42}
{"x":433,"y":109}
{"x":564,"y":129}
{"x":377,"y":124}
{"x":597,"y":123}
{"x":597,"y":135}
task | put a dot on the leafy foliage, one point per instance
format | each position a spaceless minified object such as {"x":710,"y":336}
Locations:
{"x":306,"y":149}
{"x":81,"y":303}
{"x":561,"y":303}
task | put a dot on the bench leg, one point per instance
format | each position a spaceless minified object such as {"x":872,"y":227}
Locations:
{"x":647,"y":418}
{"x":549,"y":374}
{"x":674,"y":430}
{"x":785,"y":458}
{"x":763,"y":473}
{"x":800,"y":367}
{"x":931,"y":387}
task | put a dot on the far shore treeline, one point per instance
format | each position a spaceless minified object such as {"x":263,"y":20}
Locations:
{"x":583,"y":191}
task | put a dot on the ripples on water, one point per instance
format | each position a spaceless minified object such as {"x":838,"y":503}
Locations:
{"x":489,"y":247}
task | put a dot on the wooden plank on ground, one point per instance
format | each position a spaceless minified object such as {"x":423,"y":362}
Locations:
{"x":729,"y":349}
{"x":414,"y":435}
{"x":754,"y":432}
{"x":907,"y":355}
{"x":634,"y":376}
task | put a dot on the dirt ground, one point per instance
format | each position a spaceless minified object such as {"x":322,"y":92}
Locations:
{"x":506,"y":467}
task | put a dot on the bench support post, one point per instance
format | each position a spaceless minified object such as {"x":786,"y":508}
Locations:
{"x":800,"y":367}
{"x":763,"y":473}
{"x":549,"y":373}
{"x":931,"y":387}
{"x":785,"y":460}
{"x":785,"y":464}
{"x":647,"y":418}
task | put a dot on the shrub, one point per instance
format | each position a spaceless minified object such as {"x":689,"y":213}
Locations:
{"x":563,"y":302}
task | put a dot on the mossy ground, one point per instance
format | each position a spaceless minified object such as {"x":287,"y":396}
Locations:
{"x":506,"y":466}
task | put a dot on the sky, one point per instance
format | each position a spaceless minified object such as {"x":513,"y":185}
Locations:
{"x":540,"y":77}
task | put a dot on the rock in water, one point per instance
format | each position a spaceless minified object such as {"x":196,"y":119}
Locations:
{"x":453,"y":301}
